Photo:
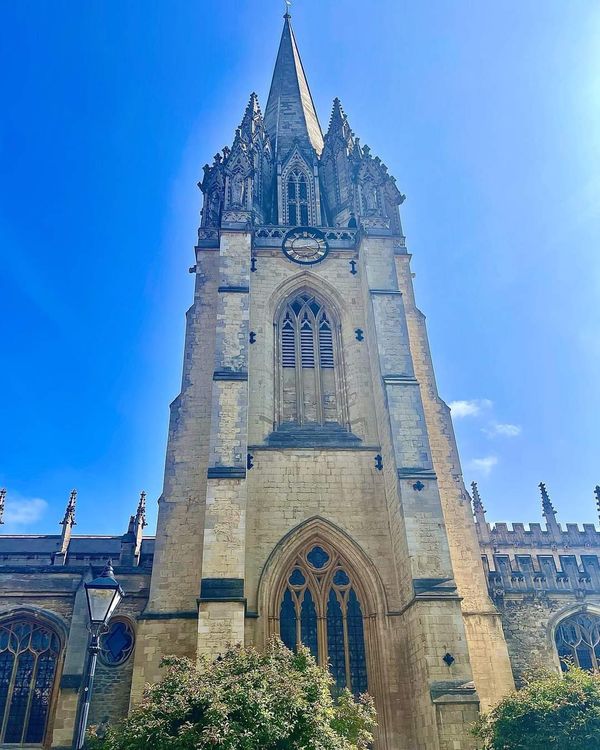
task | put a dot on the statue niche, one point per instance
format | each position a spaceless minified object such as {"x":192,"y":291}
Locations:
{"x":238,"y":189}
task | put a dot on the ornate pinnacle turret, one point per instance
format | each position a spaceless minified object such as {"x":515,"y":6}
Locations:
{"x":338,"y":124}
{"x":597,"y":493}
{"x":252,"y":119}
{"x":67,"y":524}
{"x":549,"y":513}
{"x":69,"y":517}
{"x":479,"y":512}
{"x":2,"y":503}
{"x":547,"y":507}
{"x":131,"y":542}
{"x":140,"y":515}
{"x":477,"y":504}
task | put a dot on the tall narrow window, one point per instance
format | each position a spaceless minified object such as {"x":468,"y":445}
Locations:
{"x":309,"y":388}
{"x":578,"y":641}
{"x":297,"y":198}
{"x":321,"y":610}
{"x":28,"y":659}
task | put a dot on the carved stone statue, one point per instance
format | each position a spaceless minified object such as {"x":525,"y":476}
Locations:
{"x":237,"y":189}
{"x":369,"y":192}
{"x":213,"y":209}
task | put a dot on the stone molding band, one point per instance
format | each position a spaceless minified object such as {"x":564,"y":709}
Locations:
{"x":226,"y":472}
{"x":222,"y":590}
{"x":168,"y":616}
{"x":235,"y":289}
{"x":413,"y":473}
{"x":230,"y":375}
{"x":386,"y":291}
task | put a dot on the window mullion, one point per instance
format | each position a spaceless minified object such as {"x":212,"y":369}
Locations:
{"x":34,"y":673}
{"x":318,"y":371}
{"x":11,"y":687}
{"x":299,"y":384}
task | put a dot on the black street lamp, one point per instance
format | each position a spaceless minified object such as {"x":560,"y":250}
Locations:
{"x":103,"y":597}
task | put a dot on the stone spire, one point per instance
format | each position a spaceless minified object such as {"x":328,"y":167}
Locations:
{"x":479,"y":512}
{"x":67,"y":523}
{"x":290,"y":115}
{"x":549,"y":512}
{"x":2,"y":504}
{"x":597,"y":493}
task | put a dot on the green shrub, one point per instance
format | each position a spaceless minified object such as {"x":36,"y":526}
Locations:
{"x":555,"y":712}
{"x":245,"y":700}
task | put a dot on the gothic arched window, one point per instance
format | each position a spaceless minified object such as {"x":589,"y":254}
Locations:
{"x":321,"y":610}
{"x":29,"y":654}
{"x":309,"y":388}
{"x":578,"y":641}
{"x":297,"y":198}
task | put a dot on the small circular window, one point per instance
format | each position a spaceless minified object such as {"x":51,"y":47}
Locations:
{"x":116,"y":645}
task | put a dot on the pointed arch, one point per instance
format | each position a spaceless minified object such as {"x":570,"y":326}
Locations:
{"x":574,"y":635}
{"x":310,"y":384}
{"x":31,"y":648}
{"x":320,"y":589}
{"x":298,"y":204}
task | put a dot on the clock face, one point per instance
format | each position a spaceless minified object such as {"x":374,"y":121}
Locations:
{"x":305,"y":245}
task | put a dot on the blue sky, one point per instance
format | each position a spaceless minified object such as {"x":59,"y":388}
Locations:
{"x":488,"y":114}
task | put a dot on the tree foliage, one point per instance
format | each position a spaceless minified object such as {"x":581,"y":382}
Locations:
{"x":555,"y":712}
{"x":246,"y":700}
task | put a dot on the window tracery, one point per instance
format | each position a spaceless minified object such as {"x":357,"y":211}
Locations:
{"x":578,"y":641}
{"x":321,"y":610}
{"x":29,"y":653}
{"x":310,"y":391}
{"x":116,"y":645}
{"x":297,"y":196}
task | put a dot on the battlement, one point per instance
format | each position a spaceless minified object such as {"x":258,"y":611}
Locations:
{"x":536,"y":535}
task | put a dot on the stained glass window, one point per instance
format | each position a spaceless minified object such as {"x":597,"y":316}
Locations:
{"x":578,"y":641}
{"x":28,"y":658}
{"x":117,"y":644}
{"x":320,"y":609}
{"x":309,"y":387}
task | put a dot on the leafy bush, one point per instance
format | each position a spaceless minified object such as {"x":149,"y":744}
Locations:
{"x":555,"y":712}
{"x":245,"y":700}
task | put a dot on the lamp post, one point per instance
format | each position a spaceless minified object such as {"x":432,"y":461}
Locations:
{"x":103,"y":596}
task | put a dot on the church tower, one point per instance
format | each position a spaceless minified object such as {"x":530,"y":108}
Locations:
{"x":313,"y":488}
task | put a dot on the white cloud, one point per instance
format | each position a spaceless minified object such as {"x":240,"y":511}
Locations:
{"x":504,"y":430}
{"x":23,"y":511}
{"x":482,"y":466}
{"x":471,"y":408}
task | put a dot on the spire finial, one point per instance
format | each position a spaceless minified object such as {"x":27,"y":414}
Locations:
{"x":2,"y":503}
{"x":597,"y":493}
{"x":547,"y":507}
{"x":140,"y":515}
{"x":69,"y":517}
{"x":287,"y":14}
{"x":477,"y":503}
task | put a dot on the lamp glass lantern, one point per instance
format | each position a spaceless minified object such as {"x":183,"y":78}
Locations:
{"x":103,"y":596}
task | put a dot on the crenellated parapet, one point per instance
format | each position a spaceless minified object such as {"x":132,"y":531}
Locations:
{"x":536,"y":558}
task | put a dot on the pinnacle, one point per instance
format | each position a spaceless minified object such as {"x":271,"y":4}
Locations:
{"x":252,"y":115}
{"x":547,"y":506}
{"x":338,"y":116}
{"x":477,"y":503}
{"x":69,"y":517}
